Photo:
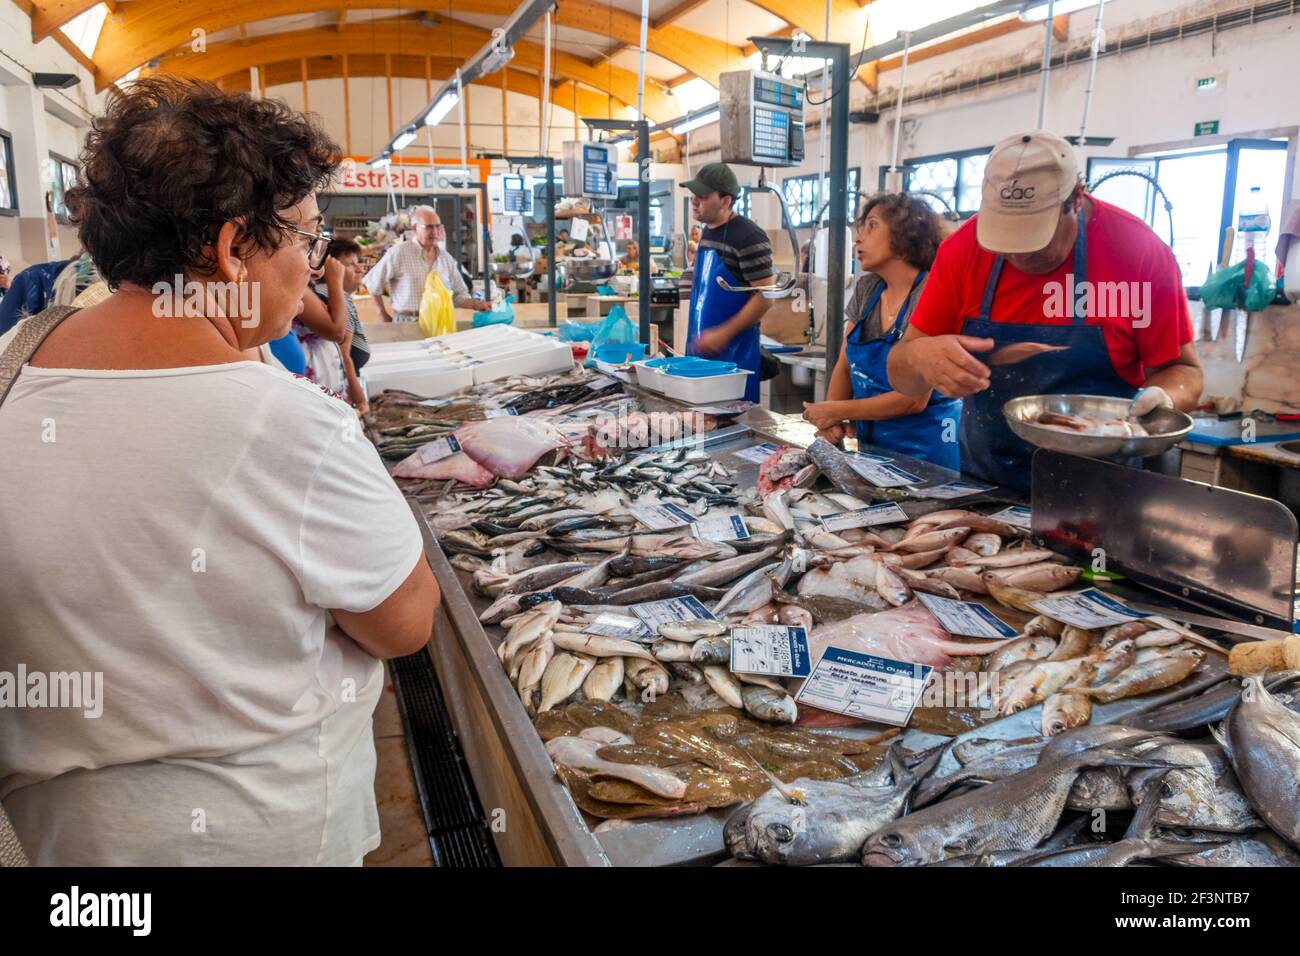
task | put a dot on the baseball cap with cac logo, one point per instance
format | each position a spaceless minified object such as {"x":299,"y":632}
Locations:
{"x":1027,"y":179}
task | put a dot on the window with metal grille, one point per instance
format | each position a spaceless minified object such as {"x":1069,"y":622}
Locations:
{"x":949,"y":182}
{"x":63,"y":176}
{"x":802,"y":199}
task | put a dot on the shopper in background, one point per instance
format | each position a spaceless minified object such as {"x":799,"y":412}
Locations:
{"x":30,"y":292}
{"x":406,"y":265}
{"x":5,"y":278}
{"x":330,"y":319}
{"x":245,"y":560}
{"x":322,"y":329}
{"x":896,"y":237}
{"x":348,"y":253}
{"x":631,"y":260}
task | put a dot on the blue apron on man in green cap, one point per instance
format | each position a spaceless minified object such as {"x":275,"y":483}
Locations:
{"x":723,"y":324}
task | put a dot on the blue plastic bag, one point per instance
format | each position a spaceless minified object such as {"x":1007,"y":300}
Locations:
{"x":505,"y":316}
{"x":616,"y":328}
{"x":571,"y":331}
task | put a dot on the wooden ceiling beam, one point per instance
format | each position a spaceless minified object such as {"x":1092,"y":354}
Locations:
{"x":147,"y":29}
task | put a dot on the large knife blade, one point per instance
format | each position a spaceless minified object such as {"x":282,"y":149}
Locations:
{"x":1238,"y":630}
{"x":1242,"y":330}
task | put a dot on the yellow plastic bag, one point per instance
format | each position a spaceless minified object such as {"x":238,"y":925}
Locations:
{"x":437,"y":314}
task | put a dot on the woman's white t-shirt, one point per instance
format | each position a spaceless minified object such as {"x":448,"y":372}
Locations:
{"x":181,"y":532}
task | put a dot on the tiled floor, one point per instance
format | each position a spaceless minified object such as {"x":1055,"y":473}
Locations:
{"x":405,"y":841}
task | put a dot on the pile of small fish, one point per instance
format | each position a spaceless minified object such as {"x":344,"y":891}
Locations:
{"x":549,"y":523}
{"x":1198,"y":794}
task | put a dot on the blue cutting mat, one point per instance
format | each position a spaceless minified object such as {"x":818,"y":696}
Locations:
{"x":1222,"y":432}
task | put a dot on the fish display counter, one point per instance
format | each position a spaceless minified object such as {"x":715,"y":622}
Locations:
{"x":675,"y":635}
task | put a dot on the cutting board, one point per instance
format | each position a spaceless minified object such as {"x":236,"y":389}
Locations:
{"x":1222,"y":432}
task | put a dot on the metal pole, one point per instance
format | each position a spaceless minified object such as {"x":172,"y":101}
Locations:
{"x":551,"y":291}
{"x":839,"y":54}
{"x":898,"y":101}
{"x":643,"y":229}
{"x":1092,"y":72}
{"x":1047,"y":65}
{"x":640,"y":71}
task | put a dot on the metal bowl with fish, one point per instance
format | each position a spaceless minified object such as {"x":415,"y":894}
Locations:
{"x":1095,"y":426}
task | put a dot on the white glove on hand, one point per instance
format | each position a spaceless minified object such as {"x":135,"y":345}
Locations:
{"x":1148,"y":400}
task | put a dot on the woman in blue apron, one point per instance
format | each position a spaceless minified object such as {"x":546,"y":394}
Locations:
{"x":896,"y":237}
{"x":989,"y":449}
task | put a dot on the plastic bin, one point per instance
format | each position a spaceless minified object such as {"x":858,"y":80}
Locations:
{"x":704,"y":389}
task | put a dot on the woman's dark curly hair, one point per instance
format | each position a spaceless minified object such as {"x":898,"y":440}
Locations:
{"x":914,"y":230}
{"x":173,"y":160}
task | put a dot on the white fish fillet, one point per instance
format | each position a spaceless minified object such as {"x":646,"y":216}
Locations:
{"x":580,"y":754}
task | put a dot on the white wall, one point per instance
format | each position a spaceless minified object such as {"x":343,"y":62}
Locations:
{"x":1141,"y":98}
{"x":368,"y":100}
{"x":25,"y":113}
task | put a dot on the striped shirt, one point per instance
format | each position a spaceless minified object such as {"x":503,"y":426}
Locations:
{"x":743,"y":248}
{"x":403,"y":270}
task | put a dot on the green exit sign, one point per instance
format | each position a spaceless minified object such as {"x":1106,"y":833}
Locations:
{"x":1207,"y":82}
{"x":1207,"y":128}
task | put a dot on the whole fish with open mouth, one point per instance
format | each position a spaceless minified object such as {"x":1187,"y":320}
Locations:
{"x":1262,"y":738}
{"x":1203,"y":795}
{"x":1018,"y":812}
{"x":827,"y":821}
{"x":1064,"y":711}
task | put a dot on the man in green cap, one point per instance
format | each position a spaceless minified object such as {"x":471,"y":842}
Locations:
{"x":723,"y":324}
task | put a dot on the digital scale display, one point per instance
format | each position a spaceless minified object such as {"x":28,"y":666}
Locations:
{"x":599,"y":176}
{"x":515,"y":198}
{"x":777,"y":93}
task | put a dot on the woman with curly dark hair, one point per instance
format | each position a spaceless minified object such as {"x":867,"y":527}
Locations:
{"x":896,"y":237}
{"x":201,"y":551}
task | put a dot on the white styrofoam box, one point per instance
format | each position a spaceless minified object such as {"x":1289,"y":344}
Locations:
{"x":531,"y":362}
{"x":712,"y":388}
{"x":420,"y":379}
{"x":619,"y":372}
{"x":647,"y":378}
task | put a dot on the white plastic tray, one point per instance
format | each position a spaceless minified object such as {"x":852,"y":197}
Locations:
{"x":698,"y":391}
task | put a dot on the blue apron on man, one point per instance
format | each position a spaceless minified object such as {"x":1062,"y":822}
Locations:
{"x":930,"y":434}
{"x":711,"y":306}
{"x":989,"y":449}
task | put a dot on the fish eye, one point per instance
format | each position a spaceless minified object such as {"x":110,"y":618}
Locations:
{"x":780,"y":832}
{"x":891,"y":840}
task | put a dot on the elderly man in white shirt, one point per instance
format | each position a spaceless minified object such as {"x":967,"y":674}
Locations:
{"x":406,"y":265}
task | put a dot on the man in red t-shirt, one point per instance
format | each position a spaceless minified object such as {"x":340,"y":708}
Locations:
{"x":1043,"y":262}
